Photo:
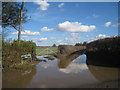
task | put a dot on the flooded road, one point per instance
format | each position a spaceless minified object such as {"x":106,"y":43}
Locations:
{"x":50,"y":75}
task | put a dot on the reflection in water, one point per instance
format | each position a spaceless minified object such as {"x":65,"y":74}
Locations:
{"x":77,"y":65}
{"x":74,"y":68}
{"x":101,"y":71}
{"x":104,"y":73}
{"x":76,"y":74}
{"x":63,"y":74}
{"x":17,"y":78}
{"x":66,"y":60}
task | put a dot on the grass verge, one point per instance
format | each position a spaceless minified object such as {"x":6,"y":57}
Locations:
{"x":45,"y":51}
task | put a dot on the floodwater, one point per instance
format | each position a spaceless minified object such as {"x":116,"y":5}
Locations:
{"x":50,"y":75}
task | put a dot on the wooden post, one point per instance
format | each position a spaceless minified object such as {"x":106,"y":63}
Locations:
{"x":22,"y":61}
{"x":33,"y":54}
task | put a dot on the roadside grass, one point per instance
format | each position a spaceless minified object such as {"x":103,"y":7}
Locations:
{"x":25,"y":65}
{"x":45,"y":51}
{"x":19,"y":66}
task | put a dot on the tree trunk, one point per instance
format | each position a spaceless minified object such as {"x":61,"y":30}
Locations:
{"x":20,"y":26}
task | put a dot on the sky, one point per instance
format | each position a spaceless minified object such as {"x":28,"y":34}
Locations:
{"x":68,"y":22}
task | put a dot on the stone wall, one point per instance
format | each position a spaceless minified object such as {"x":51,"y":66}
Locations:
{"x":68,"y":49}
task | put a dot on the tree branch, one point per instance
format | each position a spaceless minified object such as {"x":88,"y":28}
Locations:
{"x":14,"y":27}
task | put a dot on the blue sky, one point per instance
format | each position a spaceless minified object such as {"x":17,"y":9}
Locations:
{"x":69,"y":22}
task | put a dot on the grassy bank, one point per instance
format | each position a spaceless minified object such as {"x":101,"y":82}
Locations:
{"x":12,"y":51}
{"x":20,"y":66}
{"x":46,"y":50}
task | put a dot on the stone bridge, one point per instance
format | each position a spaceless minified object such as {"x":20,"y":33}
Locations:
{"x":69,"y":49}
{"x":67,"y":53}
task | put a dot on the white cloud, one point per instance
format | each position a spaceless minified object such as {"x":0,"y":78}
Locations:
{"x":52,"y":37}
{"x":59,"y":41}
{"x":24,"y":36}
{"x":116,"y":25}
{"x":66,"y":39}
{"x":62,"y":43}
{"x":27,"y":32}
{"x":70,"y":40}
{"x":43,"y":4}
{"x":101,"y":36}
{"x":107,"y":24}
{"x":74,"y":27}
{"x":92,"y":16}
{"x":75,"y":35}
{"x":46,"y":29}
{"x":60,"y":5}
{"x":40,"y":39}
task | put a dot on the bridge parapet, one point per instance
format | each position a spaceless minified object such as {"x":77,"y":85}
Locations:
{"x":68,"y":49}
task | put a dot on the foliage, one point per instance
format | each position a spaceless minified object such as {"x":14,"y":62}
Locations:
{"x":81,"y":44}
{"x":12,"y":51}
{"x":11,"y":14}
{"x":104,"y":52}
{"x":78,"y":44}
{"x":108,"y":44}
{"x":54,"y":45}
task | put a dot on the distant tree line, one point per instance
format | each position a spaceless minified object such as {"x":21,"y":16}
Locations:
{"x":110,"y":43}
{"x":81,"y":44}
{"x":54,"y":45}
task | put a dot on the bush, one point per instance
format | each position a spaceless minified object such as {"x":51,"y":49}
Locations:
{"x":107,"y":44}
{"x":11,"y":51}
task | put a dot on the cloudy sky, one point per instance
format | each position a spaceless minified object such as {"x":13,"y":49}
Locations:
{"x":69,"y":22}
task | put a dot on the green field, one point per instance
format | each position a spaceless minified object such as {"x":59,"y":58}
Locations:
{"x":46,"y":50}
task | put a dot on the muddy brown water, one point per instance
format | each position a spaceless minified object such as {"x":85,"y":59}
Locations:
{"x":49,"y":75}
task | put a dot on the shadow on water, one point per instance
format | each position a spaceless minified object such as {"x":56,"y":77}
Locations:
{"x":17,"y":78}
{"x":103,"y":65}
{"x":103,"y":58}
{"x":100,"y":72}
{"x":104,"y":73}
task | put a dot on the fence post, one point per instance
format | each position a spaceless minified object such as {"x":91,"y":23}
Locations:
{"x":33,"y":54}
{"x":22,"y":61}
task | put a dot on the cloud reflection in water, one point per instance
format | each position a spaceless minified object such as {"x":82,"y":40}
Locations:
{"x":74,"y":68}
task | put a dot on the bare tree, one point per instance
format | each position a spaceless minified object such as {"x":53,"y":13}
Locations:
{"x":20,"y":26}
